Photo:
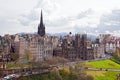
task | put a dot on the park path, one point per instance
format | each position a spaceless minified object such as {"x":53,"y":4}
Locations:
{"x":103,"y":69}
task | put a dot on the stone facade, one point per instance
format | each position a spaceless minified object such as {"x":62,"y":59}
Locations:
{"x":39,"y":47}
{"x":73,"y":47}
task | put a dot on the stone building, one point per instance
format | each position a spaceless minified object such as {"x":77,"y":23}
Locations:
{"x":39,"y":47}
{"x":73,"y":47}
{"x":98,"y":48}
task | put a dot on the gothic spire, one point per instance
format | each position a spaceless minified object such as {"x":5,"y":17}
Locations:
{"x":41,"y":26}
{"x":41,"y":18}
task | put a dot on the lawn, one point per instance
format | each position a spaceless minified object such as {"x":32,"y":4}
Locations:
{"x":103,"y":64}
{"x":103,"y":75}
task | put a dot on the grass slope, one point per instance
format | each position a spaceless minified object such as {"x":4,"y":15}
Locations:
{"x":103,"y":64}
{"x":103,"y":75}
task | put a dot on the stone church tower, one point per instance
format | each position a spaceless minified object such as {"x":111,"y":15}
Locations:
{"x":41,"y":27}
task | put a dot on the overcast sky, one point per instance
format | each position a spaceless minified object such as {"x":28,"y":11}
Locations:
{"x":76,"y":16}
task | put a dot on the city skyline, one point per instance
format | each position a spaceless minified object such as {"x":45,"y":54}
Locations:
{"x":75,"y":16}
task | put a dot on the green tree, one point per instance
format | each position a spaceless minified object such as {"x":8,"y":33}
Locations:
{"x":78,"y":72}
{"x":116,"y":56}
{"x":64,"y":72}
{"x":55,"y":75}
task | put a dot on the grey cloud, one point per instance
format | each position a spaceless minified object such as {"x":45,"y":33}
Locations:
{"x":85,"y":13}
{"x":110,"y":22}
{"x":49,"y":6}
{"x":83,"y":29}
{"x":66,"y":21}
{"x":25,"y":20}
{"x":61,"y":22}
{"x":34,"y":15}
{"x":8,"y":26}
{"x":114,"y":16}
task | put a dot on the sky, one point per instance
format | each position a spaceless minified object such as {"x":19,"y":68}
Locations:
{"x":76,"y":16}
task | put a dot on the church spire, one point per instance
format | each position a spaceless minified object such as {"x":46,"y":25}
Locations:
{"x":41,"y":18}
{"x":41,"y":26}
